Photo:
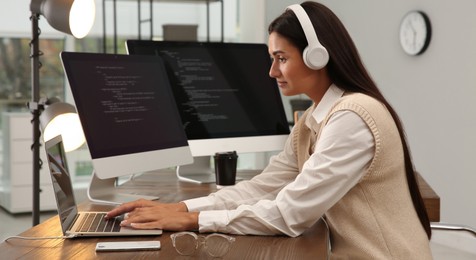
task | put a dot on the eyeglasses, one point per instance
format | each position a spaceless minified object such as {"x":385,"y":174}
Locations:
{"x":216,"y":245}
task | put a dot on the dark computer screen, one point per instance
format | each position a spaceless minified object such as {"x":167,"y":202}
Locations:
{"x":222,"y":89}
{"x":124,"y":102}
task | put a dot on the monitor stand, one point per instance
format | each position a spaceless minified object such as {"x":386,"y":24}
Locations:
{"x":200,"y":171}
{"x":106,"y":191}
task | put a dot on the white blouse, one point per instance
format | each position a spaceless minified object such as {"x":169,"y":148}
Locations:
{"x":281,"y":200}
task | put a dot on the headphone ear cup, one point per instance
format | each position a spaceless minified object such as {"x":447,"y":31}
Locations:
{"x":315,"y":55}
{"x":315,"y":58}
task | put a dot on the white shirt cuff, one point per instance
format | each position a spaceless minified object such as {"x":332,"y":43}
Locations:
{"x":211,"y":221}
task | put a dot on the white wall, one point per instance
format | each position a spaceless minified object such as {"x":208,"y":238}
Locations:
{"x":434,"y":94}
{"x":251,"y":30}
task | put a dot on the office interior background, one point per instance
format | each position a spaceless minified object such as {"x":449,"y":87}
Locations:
{"x":434,"y":93}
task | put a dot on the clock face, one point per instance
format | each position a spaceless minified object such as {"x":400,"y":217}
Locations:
{"x":415,"y":33}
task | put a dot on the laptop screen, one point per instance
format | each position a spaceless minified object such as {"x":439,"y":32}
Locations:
{"x":61,"y":182}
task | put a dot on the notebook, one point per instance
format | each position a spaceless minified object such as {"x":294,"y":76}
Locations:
{"x":73,"y":222}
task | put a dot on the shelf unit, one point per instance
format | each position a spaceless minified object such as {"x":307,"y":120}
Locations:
{"x":150,"y":19}
{"x":16,"y":182}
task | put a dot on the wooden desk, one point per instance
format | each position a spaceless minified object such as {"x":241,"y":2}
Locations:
{"x":311,"y":245}
{"x":430,"y":199}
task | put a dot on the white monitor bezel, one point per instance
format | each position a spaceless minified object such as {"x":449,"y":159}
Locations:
{"x":136,"y":163}
{"x":247,"y":144}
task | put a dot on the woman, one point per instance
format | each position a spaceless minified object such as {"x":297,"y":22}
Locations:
{"x":346,"y":159}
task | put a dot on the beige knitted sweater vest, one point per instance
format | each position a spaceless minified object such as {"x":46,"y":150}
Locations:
{"x":376,"y":218}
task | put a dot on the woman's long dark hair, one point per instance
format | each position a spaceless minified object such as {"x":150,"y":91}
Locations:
{"x":347,"y":71}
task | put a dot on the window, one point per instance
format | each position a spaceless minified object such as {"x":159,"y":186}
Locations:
{"x":15,"y":72}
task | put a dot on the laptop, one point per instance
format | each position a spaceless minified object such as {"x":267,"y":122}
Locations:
{"x":73,"y":222}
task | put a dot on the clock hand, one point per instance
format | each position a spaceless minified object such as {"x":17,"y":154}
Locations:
{"x":414,"y":38}
{"x":414,"y":33}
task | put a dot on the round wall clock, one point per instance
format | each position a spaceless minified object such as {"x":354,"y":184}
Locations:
{"x":415,"y":32}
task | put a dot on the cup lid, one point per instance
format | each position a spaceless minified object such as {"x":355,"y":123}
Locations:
{"x":232,"y":154}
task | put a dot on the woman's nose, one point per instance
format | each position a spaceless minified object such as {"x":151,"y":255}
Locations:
{"x":274,"y":71}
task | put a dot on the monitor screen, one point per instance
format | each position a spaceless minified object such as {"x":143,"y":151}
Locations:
{"x":127,"y":111}
{"x":226,"y":99}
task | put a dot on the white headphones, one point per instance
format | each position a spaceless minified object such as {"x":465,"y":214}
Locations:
{"x":315,"y":55}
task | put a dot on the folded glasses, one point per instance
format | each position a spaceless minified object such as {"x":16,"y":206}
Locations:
{"x":216,"y":245}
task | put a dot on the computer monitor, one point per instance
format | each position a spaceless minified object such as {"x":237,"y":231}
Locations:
{"x":225,"y":96}
{"x":128,"y":113}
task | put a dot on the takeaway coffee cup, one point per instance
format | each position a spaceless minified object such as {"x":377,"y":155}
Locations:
{"x":225,"y":168}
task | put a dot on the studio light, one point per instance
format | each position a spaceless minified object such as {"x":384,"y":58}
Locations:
{"x":74,"y":17}
{"x":60,"y":118}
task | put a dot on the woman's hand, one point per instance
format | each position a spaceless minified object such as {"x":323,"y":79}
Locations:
{"x":146,"y":214}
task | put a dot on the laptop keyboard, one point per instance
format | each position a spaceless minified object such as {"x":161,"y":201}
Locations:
{"x":95,"y":222}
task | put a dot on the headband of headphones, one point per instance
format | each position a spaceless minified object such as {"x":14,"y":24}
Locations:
{"x":315,"y":55}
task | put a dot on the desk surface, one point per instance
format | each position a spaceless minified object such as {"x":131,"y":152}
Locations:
{"x":311,"y":245}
